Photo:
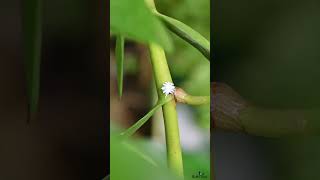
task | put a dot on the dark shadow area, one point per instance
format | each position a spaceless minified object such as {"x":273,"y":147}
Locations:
{"x":69,"y":139}
{"x":268,"y":52}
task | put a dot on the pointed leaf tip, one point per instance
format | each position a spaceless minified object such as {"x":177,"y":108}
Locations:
{"x":31,"y":20}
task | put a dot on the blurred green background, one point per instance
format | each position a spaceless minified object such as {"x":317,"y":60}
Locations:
{"x":268,"y":51}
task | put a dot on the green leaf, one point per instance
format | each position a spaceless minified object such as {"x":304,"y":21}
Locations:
{"x":133,"y":19}
{"x":187,"y":33}
{"x":130,"y":131}
{"x":126,"y":163}
{"x":195,"y":162}
{"x":119,"y":58}
{"x":138,"y":152}
{"x":32,"y":51}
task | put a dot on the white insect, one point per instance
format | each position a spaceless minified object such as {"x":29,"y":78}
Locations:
{"x":168,"y":88}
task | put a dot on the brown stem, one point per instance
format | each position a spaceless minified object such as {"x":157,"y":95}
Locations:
{"x":226,"y":105}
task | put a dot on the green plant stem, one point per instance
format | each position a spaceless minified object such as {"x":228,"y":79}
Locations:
{"x":182,"y":97}
{"x":161,"y":75}
{"x":197,"y":100}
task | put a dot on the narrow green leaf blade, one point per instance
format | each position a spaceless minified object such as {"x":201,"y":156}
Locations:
{"x":187,"y":33}
{"x":119,"y":60}
{"x":130,"y":131}
{"x":32,"y":51}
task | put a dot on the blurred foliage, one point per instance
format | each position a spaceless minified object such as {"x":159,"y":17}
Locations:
{"x":269,"y":52}
{"x":141,"y":159}
{"x":195,"y":163}
{"x":131,"y":66}
{"x":136,"y":159}
{"x":133,"y":19}
{"x":295,"y":158}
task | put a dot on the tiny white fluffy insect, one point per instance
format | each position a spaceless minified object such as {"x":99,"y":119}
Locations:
{"x":168,"y":88}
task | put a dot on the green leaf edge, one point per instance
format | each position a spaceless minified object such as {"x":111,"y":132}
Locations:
{"x":131,"y":130}
{"x":119,"y":61}
{"x":186,"y":33}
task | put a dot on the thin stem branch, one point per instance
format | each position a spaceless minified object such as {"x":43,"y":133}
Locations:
{"x":182,"y":97}
{"x":134,"y":128}
{"x":161,"y":75}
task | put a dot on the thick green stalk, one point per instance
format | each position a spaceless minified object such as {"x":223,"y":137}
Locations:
{"x":161,"y":75}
